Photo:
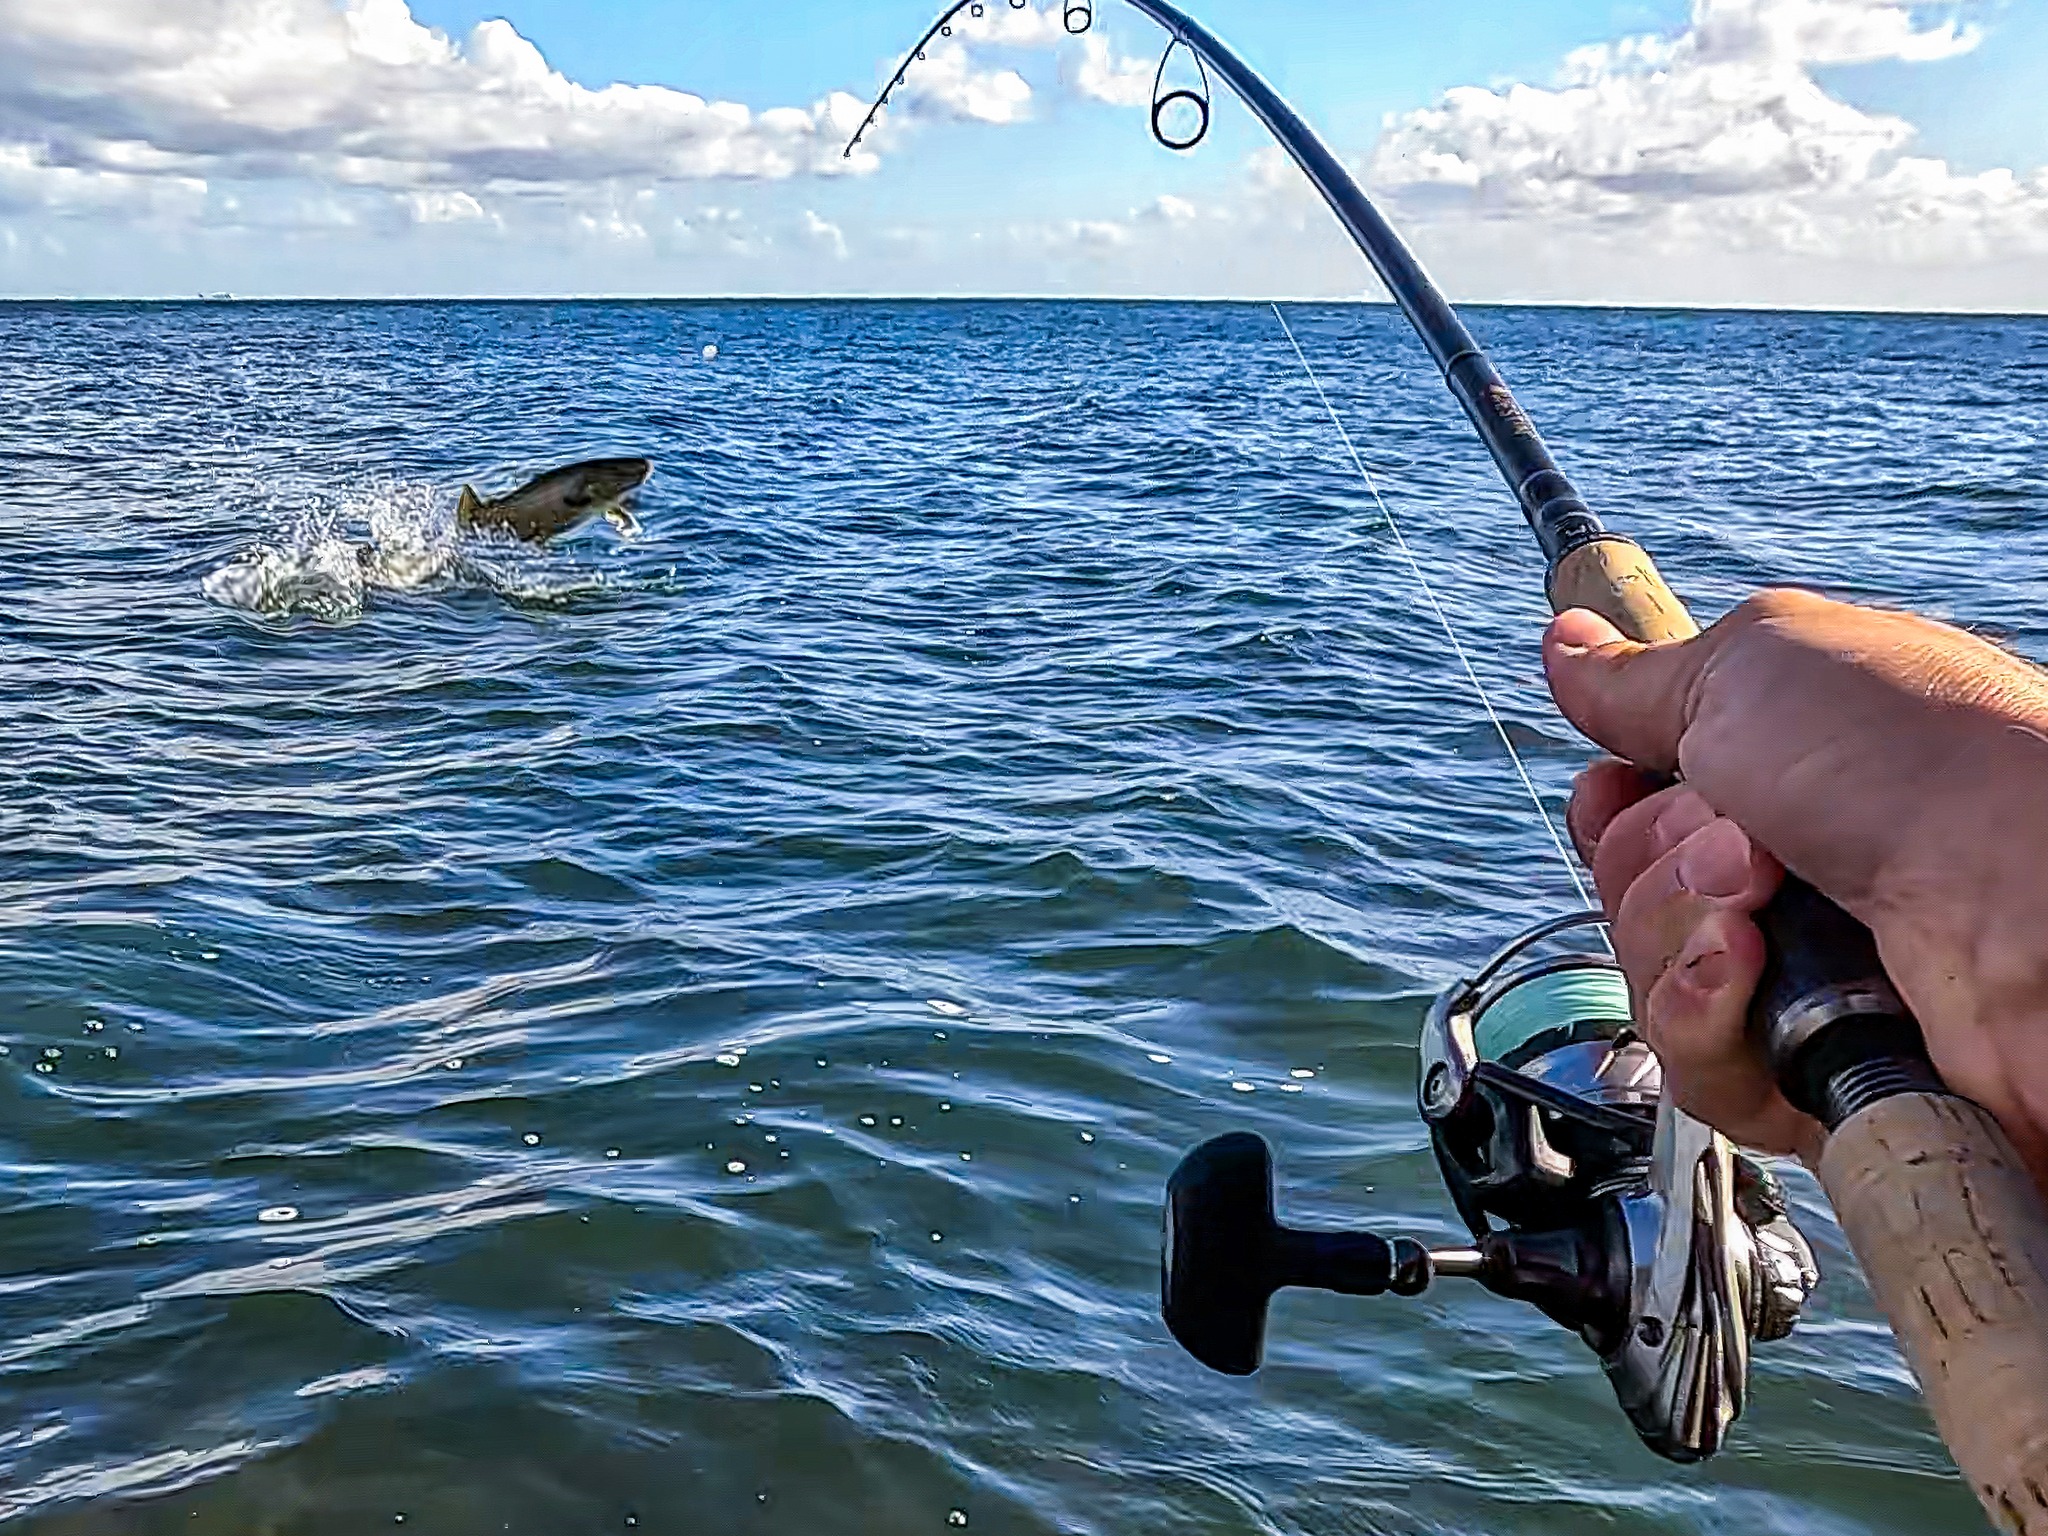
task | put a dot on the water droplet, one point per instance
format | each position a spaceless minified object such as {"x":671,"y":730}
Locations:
{"x":611,"y":1151}
{"x":1073,"y":1199}
{"x":728,"y":1059}
{"x":821,"y":1061}
{"x":710,"y":356}
{"x":938,"y":1237}
{"x":44,"y":1066}
{"x":531,"y":1138}
{"x":938,"y":1034}
{"x":94,"y":1026}
{"x":214,"y":954}
{"x":755,"y":1088}
{"x":966,"y":1157}
{"x":939,"y":1005}
{"x":1243,"y":1087}
{"x":956,"y":1517}
{"x":867,"y":1119}
{"x":735,"y":1166}
{"x":1159,"y":1056}
{"x":1303,"y":1073}
{"x":1290,"y":1088}
{"x":52,"y":1053}
{"x":111,"y":1052}
{"x":945,"y":1109}
{"x":895,"y":1119}
{"x":1087,"y":1135}
{"x":771,"y":1137}
{"x":279,"y":1213}
{"x":453,"y":1064}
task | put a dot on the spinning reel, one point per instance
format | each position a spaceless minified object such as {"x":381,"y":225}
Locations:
{"x":1643,"y":1232}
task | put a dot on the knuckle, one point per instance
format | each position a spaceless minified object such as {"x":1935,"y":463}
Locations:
{"x":1774,"y":605}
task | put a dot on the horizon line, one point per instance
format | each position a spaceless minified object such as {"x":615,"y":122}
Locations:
{"x":1605,"y":305}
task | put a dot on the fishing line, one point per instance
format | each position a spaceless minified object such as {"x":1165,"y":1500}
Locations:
{"x":1443,"y":619}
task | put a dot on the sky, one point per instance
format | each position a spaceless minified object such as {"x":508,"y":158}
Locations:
{"x":1797,"y":153}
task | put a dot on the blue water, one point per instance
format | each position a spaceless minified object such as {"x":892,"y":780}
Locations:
{"x":688,"y":1034}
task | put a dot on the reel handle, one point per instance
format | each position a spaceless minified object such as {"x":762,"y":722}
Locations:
{"x":1951,"y":1230}
{"x":1224,"y":1255}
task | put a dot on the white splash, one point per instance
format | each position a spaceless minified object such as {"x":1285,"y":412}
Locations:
{"x":325,"y":563}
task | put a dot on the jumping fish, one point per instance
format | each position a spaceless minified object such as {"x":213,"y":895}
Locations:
{"x":560,"y":500}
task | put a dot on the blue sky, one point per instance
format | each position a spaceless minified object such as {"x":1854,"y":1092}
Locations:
{"x":1345,"y":62}
{"x":1856,"y":152}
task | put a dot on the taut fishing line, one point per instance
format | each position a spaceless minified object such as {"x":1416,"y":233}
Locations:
{"x":1077,"y":17}
{"x":1587,"y":1192}
{"x":1443,"y":619}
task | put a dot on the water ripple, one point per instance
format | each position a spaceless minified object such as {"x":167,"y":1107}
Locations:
{"x":694,"y":1030}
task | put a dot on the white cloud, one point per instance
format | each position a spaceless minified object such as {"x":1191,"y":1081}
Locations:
{"x":1172,"y":210}
{"x":159,"y":111}
{"x":339,"y":145}
{"x":823,"y":234}
{"x":29,"y":181}
{"x":1106,"y":76}
{"x":1722,"y":135}
{"x":361,"y":95}
{"x":950,"y":81}
{"x":444,"y":208}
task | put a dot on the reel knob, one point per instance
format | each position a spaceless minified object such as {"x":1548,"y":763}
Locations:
{"x":1223,"y":1255}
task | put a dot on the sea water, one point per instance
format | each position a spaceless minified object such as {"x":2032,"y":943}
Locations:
{"x":688,"y":1035}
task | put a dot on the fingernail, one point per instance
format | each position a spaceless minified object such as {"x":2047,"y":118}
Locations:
{"x":1579,"y":630}
{"x":1714,"y":861}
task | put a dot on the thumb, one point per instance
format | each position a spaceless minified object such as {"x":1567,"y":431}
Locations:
{"x":1634,"y":700}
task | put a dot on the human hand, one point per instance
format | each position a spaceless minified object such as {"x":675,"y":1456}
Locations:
{"x":1681,"y":883}
{"x":1897,"y":764}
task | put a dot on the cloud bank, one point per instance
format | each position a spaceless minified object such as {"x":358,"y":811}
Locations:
{"x":1710,"y":166}
{"x":1724,"y":134}
{"x":143,"y":105}
{"x":1713,"y":164}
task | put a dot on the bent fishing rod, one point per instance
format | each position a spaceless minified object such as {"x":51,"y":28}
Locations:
{"x":1950,"y":1229}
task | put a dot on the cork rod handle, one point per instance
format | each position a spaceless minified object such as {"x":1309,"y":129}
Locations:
{"x":1950,"y":1228}
{"x":1953,"y":1236}
{"x":1620,"y":582}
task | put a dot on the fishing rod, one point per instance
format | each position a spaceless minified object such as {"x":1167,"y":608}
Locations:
{"x":1587,"y":1192}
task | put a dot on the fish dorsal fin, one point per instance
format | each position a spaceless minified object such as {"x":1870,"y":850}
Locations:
{"x":467,"y":508}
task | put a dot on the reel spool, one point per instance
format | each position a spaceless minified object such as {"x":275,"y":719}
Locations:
{"x":1636,"y":1227}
